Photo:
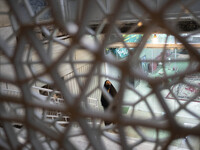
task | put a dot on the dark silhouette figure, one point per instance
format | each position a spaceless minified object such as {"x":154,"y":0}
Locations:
{"x":104,"y":102}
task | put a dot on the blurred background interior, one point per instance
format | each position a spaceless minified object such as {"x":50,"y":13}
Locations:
{"x":56,"y":55}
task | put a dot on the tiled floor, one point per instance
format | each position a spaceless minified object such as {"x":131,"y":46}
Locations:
{"x":142,"y":112}
{"x":81,"y":143}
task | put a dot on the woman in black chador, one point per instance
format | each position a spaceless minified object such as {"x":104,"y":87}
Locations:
{"x":104,"y":102}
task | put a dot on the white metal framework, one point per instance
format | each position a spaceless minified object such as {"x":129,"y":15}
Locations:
{"x":55,"y":57}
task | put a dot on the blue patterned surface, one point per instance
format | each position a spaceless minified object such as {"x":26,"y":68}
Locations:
{"x":135,"y":38}
{"x":123,"y":52}
{"x":38,"y":5}
{"x":132,"y":38}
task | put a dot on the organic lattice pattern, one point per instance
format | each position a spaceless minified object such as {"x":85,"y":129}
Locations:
{"x":55,"y":56}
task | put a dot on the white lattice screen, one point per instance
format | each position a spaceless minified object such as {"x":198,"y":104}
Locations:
{"x":56,"y":54}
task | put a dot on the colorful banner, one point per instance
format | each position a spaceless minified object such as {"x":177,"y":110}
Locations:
{"x":184,"y":91}
{"x":130,"y":38}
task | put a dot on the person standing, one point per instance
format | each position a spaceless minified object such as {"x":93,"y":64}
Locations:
{"x":104,"y":101}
